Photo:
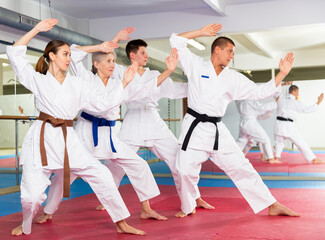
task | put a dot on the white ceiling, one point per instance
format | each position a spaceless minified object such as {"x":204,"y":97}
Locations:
{"x":91,"y":9}
{"x":265,"y":41}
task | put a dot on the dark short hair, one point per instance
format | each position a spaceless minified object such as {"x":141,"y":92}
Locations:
{"x":221,"y":42}
{"x":133,"y":46}
{"x":293,"y":88}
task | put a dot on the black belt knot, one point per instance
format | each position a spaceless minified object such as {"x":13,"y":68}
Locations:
{"x":201,"y":118}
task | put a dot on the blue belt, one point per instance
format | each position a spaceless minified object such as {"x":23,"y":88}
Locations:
{"x":100,"y":122}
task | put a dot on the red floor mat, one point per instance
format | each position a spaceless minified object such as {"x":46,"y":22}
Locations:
{"x":291,"y":163}
{"x":232,"y":218}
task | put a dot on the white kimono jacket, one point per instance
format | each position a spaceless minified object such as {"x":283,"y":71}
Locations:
{"x":84,"y":127}
{"x":288,"y":107}
{"x":210,"y":94}
{"x":60,"y":101}
{"x":142,"y":121}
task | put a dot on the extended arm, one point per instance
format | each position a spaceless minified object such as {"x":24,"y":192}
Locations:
{"x":42,"y":26}
{"x":209,"y":30}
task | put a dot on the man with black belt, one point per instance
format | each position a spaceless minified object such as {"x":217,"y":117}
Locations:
{"x":211,"y":86}
{"x":288,"y":107}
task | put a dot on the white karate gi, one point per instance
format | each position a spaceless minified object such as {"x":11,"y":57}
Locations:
{"x":61,"y":101}
{"x":142,"y":125}
{"x":135,"y":167}
{"x":250,"y":130}
{"x":210,"y":94}
{"x":288,"y":107}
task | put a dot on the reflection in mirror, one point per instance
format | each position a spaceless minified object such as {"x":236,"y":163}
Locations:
{"x":15,"y":102}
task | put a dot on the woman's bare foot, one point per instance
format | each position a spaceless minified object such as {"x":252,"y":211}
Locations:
{"x":318,"y":161}
{"x":274,"y":160}
{"x":100,"y":207}
{"x":182,"y":214}
{"x":44,"y":218}
{"x":277,"y":209}
{"x":123,"y":227}
{"x":17,"y":231}
{"x":203,"y":204}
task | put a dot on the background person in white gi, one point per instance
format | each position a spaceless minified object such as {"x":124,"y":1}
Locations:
{"x":212,"y":85}
{"x":59,"y":97}
{"x":288,"y":107}
{"x":250,"y":130}
{"x":108,"y":146}
{"x":142,"y":125}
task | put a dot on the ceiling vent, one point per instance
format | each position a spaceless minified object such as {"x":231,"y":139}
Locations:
{"x":28,"y":20}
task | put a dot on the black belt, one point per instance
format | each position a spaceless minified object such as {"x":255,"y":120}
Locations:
{"x":284,"y":119}
{"x":201,"y":118}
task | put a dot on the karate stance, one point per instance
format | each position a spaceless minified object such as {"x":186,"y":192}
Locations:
{"x":142,"y":126}
{"x":212,"y":85}
{"x":288,"y":107}
{"x":97,"y":130}
{"x":251,"y":131}
{"x":51,"y":144}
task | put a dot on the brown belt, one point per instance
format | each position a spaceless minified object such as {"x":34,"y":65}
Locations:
{"x":57,"y":122}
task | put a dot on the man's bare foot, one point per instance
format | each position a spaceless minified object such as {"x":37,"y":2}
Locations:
{"x":44,"y":218}
{"x":17,"y":231}
{"x":277,"y":209}
{"x":181,"y":214}
{"x":203,"y":204}
{"x":272,"y":160}
{"x":145,"y":214}
{"x":318,"y":161}
{"x":123,"y":227}
{"x":100,"y":207}
{"x":262,"y":157}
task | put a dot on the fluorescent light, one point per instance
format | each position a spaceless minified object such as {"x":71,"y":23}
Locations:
{"x":5,"y":64}
{"x":196,"y":44}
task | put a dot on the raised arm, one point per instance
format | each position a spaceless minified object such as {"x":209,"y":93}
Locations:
{"x":104,"y":47}
{"x":123,"y":35}
{"x":209,"y":30}
{"x":171,"y":63}
{"x":42,"y":26}
{"x":285,"y":66}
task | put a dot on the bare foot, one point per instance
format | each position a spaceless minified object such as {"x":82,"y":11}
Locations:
{"x":100,"y":207}
{"x":277,"y":209}
{"x":44,"y":218}
{"x":272,"y":160}
{"x":17,"y":231}
{"x":182,"y":214}
{"x":318,"y":161}
{"x":145,"y":214}
{"x":203,"y":204}
{"x":262,"y":157}
{"x":123,"y":227}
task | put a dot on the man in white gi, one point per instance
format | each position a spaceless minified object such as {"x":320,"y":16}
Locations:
{"x":212,"y":85}
{"x":288,"y":107}
{"x":251,"y":131}
{"x":142,"y":124}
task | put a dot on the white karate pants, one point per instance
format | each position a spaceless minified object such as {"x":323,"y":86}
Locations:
{"x":165,"y":149}
{"x":234,"y":164}
{"x":135,"y":167}
{"x":35,"y":181}
{"x":251,"y":130}
{"x":296,"y":139}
